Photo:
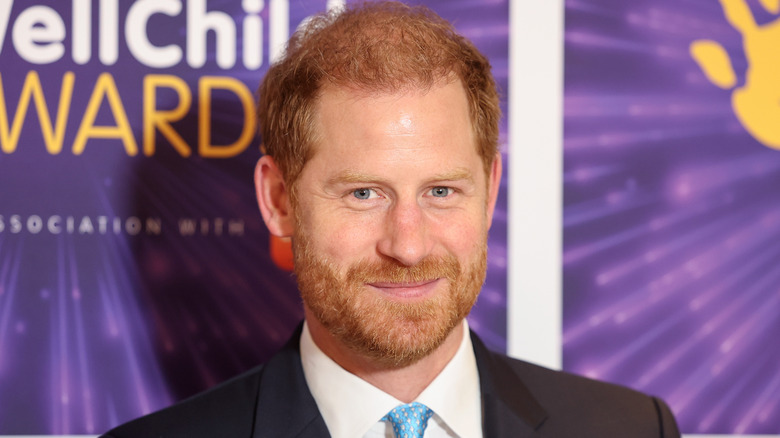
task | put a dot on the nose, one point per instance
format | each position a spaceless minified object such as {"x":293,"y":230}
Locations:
{"x":406,"y":236}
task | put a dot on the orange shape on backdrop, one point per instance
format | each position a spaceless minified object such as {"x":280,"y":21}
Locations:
{"x":757,"y":103}
{"x":772,"y":6}
{"x":714,"y":62}
{"x":281,"y":252}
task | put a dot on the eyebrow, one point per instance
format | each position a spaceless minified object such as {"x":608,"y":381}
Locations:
{"x":352,"y":176}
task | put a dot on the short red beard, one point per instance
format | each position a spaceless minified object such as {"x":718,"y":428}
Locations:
{"x":389,"y":333}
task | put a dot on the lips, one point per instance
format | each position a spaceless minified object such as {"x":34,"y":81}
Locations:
{"x":407,"y":291}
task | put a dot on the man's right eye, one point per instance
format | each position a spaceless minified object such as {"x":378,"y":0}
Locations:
{"x":363,"y":193}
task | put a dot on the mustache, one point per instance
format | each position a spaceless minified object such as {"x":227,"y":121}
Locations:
{"x":388,"y":270}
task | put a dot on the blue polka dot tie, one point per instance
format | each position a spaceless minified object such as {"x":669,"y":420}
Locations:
{"x":409,"y":421}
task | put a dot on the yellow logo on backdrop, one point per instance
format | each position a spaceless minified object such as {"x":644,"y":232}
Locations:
{"x":757,"y":103}
{"x":155,"y":119}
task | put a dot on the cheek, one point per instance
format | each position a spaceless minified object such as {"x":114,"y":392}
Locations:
{"x":459,"y":234}
{"x":342,"y":238}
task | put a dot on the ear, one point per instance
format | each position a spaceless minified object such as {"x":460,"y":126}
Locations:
{"x":273,"y":198}
{"x":494,"y":181}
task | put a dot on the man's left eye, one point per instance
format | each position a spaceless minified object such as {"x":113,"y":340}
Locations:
{"x":441,"y":192}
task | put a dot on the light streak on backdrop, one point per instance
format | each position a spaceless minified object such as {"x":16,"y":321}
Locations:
{"x":134,"y":265}
{"x":671,"y":214}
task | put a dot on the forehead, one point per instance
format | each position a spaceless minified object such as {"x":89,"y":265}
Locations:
{"x":354,"y":121}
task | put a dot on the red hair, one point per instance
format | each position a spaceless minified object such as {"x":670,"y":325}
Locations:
{"x":372,"y":47}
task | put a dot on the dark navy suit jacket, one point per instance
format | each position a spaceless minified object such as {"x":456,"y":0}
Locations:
{"x":518,"y":400}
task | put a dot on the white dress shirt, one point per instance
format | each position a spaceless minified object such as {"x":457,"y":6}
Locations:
{"x":353,"y":408}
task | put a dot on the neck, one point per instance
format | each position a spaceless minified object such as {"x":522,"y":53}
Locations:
{"x":404,"y":383}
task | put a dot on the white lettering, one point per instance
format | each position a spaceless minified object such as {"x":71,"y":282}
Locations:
{"x":187,"y":227}
{"x":253,"y":34}
{"x":137,"y":39}
{"x":109,"y":32}
{"x":133,"y":226}
{"x":82,"y":31}
{"x":16,"y":224}
{"x":279,"y":15}
{"x":34,"y":224}
{"x":199,"y":22}
{"x":102,"y":220}
{"x":236,"y":227}
{"x":85,"y":227}
{"x":38,"y":34}
{"x":153,"y":226}
{"x":5,"y":17}
{"x":53,"y":224}
{"x":336,"y":4}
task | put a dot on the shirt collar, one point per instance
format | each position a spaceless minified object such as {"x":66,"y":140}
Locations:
{"x":454,"y":395}
{"x":350,"y":406}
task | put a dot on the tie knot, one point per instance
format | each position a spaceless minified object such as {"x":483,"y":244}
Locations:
{"x":409,"y":421}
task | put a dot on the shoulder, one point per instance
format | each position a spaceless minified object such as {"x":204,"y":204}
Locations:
{"x":558,"y":387}
{"x":575,"y":404}
{"x":232,"y":402}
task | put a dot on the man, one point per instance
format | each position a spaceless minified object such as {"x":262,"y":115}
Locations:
{"x":380,"y":128}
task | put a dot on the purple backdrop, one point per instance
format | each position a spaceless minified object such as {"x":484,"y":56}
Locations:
{"x":671,"y":215}
{"x":132,"y":277}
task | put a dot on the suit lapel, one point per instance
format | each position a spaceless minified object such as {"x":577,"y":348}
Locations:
{"x":509,"y":410}
{"x":285,"y":406}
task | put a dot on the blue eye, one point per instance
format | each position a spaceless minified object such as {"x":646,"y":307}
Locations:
{"x":441,"y":192}
{"x":362,"y":193}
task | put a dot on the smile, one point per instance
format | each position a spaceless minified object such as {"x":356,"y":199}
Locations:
{"x":407,"y":291}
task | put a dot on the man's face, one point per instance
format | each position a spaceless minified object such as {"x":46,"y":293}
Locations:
{"x":392,"y":216}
